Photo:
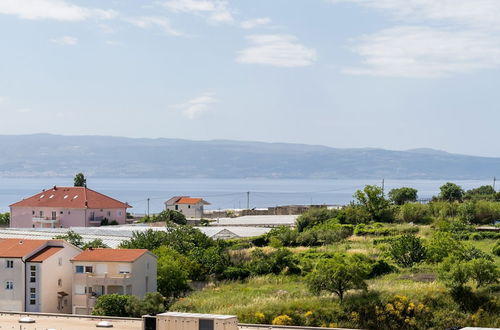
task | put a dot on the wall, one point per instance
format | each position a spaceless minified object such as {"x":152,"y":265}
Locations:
{"x":12,"y":300}
{"x":144,"y":266}
{"x":189,"y":210}
{"x":50,"y":272}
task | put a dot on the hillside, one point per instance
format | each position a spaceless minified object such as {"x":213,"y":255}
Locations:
{"x":54,"y":155}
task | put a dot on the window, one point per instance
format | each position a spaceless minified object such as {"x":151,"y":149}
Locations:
{"x":32,"y":301}
{"x":33,"y":268}
{"x":88,"y":269}
{"x":189,"y":206}
{"x":69,"y":212}
{"x":80,"y":289}
{"x":59,"y":282}
{"x":10,"y":264}
{"x":9,"y":285}
{"x":60,"y":261}
{"x":33,"y":212}
{"x":119,"y":213}
{"x":32,"y":274}
{"x":176,"y":207}
{"x":61,"y":212}
{"x":79,"y":269}
{"x":108,"y":213}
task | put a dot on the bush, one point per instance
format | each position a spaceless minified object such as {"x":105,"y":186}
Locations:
{"x":378,"y":229}
{"x":282,"y":320}
{"x":235,"y":273}
{"x":407,"y":250}
{"x":496,"y":249}
{"x":313,"y":217}
{"x":354,"y":214}
{"x":441,"y":245}
{"x":111,"y":305}
{"x":414,"y":212}
{"x":380,"y":267}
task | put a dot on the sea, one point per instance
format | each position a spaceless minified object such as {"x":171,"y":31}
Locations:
{"x":221,"y":193}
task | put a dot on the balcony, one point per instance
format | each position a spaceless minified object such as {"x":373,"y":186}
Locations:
{"x":95,"y":219}
{"x":93,"y":279}
{"x":46,"y":222}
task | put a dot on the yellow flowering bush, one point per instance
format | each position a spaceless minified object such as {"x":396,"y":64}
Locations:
{"x":282,"y":320}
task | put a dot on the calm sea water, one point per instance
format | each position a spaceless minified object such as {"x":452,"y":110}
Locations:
{"x":220,"y":193}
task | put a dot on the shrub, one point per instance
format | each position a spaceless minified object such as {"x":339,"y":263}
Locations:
{"x":400,"y":196}
{"x":282,"y":320}
{"x":354,"y":214}
{"x":441,"y":245}
{"x":313,"y":217}
{"x":111,"y":305}
{"x":235,"y":273}
{"x":407,"y":250}
{"x":414,"y":212}
{"x":380,"y":267}
{"x":496,"y":249}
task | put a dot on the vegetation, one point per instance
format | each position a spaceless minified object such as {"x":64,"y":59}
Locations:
{"x":4,"y":219}
{"x":79,"y":180}
{"x":379,"y":262}
{"x":167,"y":216}
{"x":129,"y":306}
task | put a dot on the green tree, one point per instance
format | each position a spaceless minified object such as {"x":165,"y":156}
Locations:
{"x":373,"y":200}
{"x":451,"y":192}
{"x":72,"y":238}
{"x":338,"y":275}
{"x":183,"y":239}
{"x":354,"y":214}
{"x":79,"y":180}
{"x":441,"y":245}
{"x":149,"y":239}
{"x":455,"y":272}
{"x":400,"y":196}
{"x":407,"y":250}
{"x":483,"y":272}
{"x":171,"y":216}
{"x":481,"y":192}
{"x":4,"y":219}
{"x":95,"y":244}
{"x":172,"y":277}
{"x":111,"y":305}
{"x":153,"y":303}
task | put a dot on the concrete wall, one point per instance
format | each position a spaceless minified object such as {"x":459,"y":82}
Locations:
{"x":142,"y":268}
{"x":12,"y":300}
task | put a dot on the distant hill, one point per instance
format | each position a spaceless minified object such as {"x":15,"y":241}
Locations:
{"x":102,"y":156}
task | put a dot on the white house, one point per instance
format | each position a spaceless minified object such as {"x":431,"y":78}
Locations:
{"x":189,"y":206}
{"x":35,"y":275}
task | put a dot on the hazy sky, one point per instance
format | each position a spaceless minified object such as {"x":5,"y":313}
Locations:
{"x":394,"y":74}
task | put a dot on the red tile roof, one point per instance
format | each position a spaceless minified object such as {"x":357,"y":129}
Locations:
{"x":117,"y":255}
{"x":44,"y":254}
{"x":18,"y":248}
{"x":189,"y":200}
{"x":71,"y":197}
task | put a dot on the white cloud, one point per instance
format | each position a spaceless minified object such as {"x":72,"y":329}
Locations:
{"x":197,"y":106}
{"x":253,"y":23}
{"x":23,"y":110}
{"x":146,"y":22}
{"x":3,"y":99}
{"x":59,"y":10}
{"x":277,"y":50}
{"x":477,"y":12}
{"x":215,"y":11}
{"x":414,"y":51}
{"x":66,"y":41}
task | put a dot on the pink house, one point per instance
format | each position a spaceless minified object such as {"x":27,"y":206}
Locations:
{"x":67,"y":207}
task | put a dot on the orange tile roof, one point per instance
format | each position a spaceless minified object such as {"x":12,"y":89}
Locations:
{"x":44,"y":254}
{"x":71,"y":197}
{"x":189,"y":200}
{"x":18,"y":248}
{"x":117,"y":255}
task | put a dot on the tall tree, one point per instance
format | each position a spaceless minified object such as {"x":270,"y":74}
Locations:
{"x":372,"y":199}
{"x":80,"y":180}
{"x":451,"y":192}
{"x":400,"y":196}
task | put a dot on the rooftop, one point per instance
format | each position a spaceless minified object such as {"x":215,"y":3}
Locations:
{"x":110,"y":255}
{"x":19,"y":248}
{"x":45,"y":254}
{"x":71,"y":197}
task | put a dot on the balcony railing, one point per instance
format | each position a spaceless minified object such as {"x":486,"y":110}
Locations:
{"x":46,"y":221}
{"x":96,"y":219}
{"x":108,"y":279}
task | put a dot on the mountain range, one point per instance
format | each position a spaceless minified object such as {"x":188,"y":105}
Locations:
{"x":105,"y":156}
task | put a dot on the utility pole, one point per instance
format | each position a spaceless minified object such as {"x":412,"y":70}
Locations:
{"x":148,"y":206}
{"x":248,"y":200}
{"x":494,"y":182}
{"x":383,"y":186}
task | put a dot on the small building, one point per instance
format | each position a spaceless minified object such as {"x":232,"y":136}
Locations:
{"x":36,"y":275}
{"x":189,"y":206}
{"x":63,"y":207}
{"x":105,"y":271}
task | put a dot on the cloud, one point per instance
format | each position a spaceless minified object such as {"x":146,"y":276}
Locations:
{"x":423,"y":52}
{"x":253,"y":23}
{"x":277,"y":50}
{"x":3,"y":99}
{"x":59,"y":10}
{"x":216,"y":11}
{"x":146,"y":22}
{"x":197,"y":106}
{"x":478,"y":13}
{"x":65,"y":41}
{"x":23,"y":110}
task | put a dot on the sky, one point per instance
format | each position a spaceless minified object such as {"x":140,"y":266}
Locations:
{"x":393,"y":74}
